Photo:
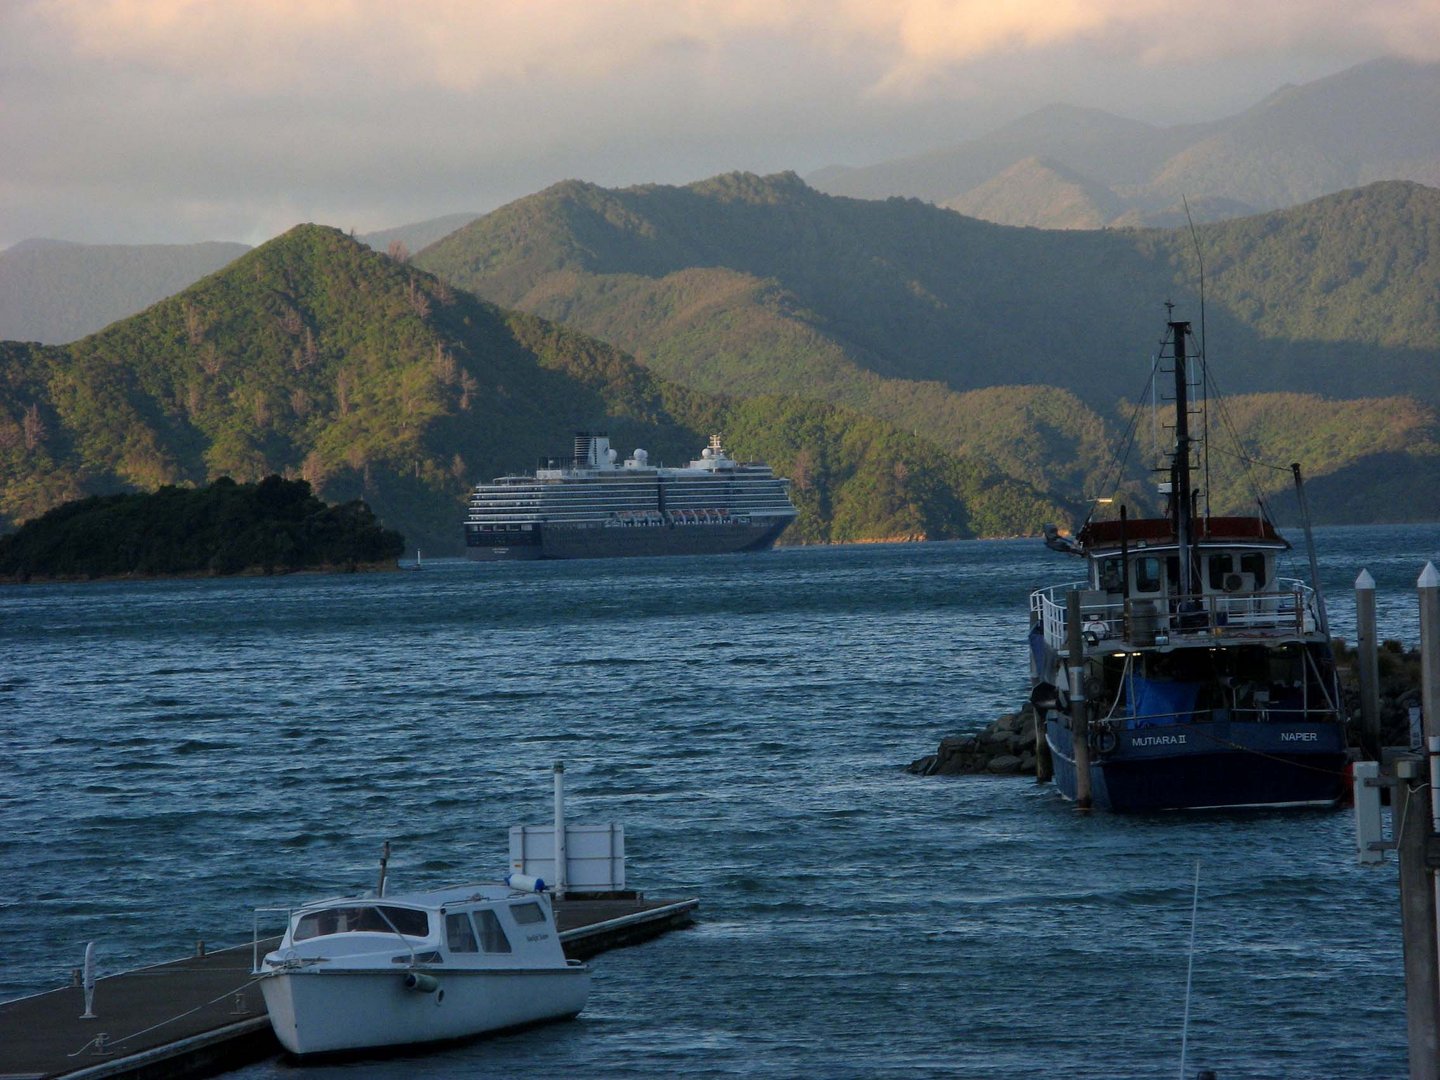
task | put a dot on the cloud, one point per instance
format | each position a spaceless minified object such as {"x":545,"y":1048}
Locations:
{"x":252,"y":114}
{"x":897,"y":46}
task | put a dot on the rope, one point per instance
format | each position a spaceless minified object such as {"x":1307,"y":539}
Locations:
{"x":171,"y":1020}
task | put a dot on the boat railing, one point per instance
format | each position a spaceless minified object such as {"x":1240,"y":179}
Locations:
{"x":1289,"y":607}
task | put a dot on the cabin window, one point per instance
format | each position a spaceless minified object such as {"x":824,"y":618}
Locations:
{"x":525,"y":914}
{"x":492,"y":934}
{"x":369,"y":919}
{"x":1148,"y":576}
{"x":1254,"y":563}
{"x":459,"y":935}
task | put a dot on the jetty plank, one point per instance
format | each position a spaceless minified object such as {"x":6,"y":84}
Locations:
{"x":204,"y":1015}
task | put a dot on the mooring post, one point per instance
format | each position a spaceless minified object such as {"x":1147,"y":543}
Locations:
{"x":1367,"y":659}
{"x":1417,"y":917}
{"x":1079,"y":717}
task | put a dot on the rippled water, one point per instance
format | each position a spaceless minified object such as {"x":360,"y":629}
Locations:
{"x":181,"y":752}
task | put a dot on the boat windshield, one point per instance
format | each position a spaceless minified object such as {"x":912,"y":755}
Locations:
{"x":362,"y":919}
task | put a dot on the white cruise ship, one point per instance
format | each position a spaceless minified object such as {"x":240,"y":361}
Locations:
{"x":594,"y":506}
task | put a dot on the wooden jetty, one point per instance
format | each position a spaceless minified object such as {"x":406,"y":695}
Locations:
{"x":204,"y":1015}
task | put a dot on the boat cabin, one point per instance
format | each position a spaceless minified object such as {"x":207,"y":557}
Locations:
{"x":1136,"y":592}
{"x":467,"y":926}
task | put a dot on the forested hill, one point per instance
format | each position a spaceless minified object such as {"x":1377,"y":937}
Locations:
{"x":314,"y":357}
{"x":1015,"y":344}
{"x":751,"y":278}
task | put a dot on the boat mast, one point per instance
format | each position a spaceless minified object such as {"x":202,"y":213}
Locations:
{"x":1181,"y":505}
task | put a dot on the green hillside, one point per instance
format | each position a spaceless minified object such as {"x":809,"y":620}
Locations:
{"x":902,"y":311}
{"x":316,"y":358}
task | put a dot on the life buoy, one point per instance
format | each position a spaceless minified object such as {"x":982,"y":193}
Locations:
{"x":1105,"y":741}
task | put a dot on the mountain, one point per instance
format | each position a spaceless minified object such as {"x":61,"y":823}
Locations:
{"x":1040,"y":192}
{"x":416,"y":235}
{"x":1371,"y":122}
{"x":915,"y":315}
{"x":314,"y":357}
{"x":53,"y":291}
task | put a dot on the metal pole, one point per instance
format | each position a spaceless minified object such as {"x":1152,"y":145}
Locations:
{"x":1367,"y":657}
{"x":560,"y":856}
{"x":1079,"y":717}
{"x":1320,"y":611}
{"x":1417,"y":918}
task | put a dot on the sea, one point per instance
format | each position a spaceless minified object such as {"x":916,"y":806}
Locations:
{"x":178,"y":753}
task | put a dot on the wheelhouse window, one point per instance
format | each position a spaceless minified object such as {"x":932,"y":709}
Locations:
{"x":526,"y":914}
{"x":459,"y":934}
{"x":1149,"y":574}
{"x":366,"y":919}
{"x":1254,"y":563}
{"x":1218,"y":566}
{"x":492,"y":934}
{"x":1107,"y":575}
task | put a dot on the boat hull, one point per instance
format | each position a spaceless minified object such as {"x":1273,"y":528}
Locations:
{"x":1206,"y":765}
{"x":600,"y":542}
{"x":330,"y":1011}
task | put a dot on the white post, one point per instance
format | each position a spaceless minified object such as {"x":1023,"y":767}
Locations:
{"x":89,"y":982}
{"x":1367,"y":658}
{"x":560,"y":857}
{"x":1369,"y":827}
{"x":1429,"y":586}
{"x":1429,"y":589}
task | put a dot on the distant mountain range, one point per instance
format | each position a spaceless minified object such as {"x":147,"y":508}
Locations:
{"x":313,"y":356}
{"x":1073,"y":168}
{"x":1011,"y":344}
{"x":53,"y":292}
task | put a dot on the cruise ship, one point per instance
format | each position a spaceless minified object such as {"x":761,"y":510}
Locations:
{"x":594,"y":506}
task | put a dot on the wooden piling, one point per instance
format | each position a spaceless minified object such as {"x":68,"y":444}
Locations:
{"x":1079,"y":715}
{"x":1417,"y":917}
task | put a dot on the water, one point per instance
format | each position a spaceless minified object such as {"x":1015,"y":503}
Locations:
{"x":181,"y":752}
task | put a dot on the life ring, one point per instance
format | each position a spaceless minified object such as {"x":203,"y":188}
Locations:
{"x":1106,"y":741}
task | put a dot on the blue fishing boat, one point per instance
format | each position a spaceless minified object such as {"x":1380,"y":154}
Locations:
{"x":1183,"y":671}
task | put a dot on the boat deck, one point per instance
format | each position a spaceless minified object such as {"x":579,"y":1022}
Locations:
{"x":204,"y":1014}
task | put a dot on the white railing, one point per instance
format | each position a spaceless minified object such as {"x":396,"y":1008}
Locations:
{"x":1289,"y":607}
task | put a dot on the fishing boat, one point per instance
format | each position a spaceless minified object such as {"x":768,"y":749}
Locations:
{"x":1183,"y":671}
{"x":355,"y":974}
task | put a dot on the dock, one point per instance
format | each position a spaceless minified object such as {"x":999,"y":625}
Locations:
{"x":204,"y":1014}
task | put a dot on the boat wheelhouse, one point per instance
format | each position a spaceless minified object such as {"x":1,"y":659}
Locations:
{"x":1184,"y":670}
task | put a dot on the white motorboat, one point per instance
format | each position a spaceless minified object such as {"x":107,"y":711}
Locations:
{"x":361,"y":973}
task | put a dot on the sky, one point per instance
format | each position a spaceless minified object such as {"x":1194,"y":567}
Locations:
{"x":172,"y":121}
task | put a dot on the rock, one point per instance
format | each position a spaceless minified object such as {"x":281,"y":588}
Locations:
{"x":1003,"y":763}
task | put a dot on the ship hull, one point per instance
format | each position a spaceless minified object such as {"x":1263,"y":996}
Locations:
{"x":1206,"y":765}
{"x":602,"y":542}
{"x":346,"y":1011}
